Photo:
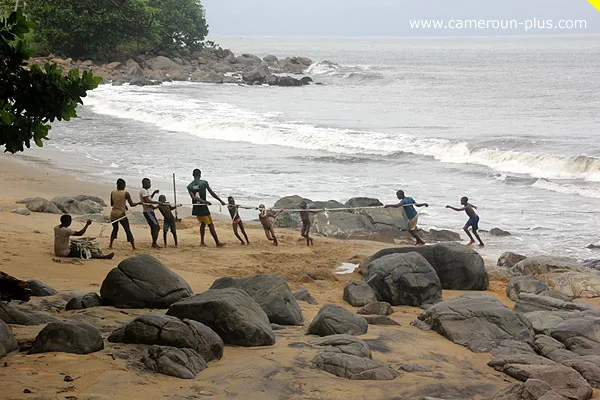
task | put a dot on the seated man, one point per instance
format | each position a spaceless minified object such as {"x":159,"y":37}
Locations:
{"x":62,"y":234}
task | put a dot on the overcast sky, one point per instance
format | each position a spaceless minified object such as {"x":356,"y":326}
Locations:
{"x":383,"y":17}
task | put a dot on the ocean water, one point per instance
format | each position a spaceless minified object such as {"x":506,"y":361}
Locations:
{"x":512,"y":123}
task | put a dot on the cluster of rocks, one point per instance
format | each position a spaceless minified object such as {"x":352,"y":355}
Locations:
{"x":74,"y":205}
{"x":366,"y":223}
{"x":209,"y":65}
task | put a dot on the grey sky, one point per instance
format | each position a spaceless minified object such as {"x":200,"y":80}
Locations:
{"x":384,"y":17}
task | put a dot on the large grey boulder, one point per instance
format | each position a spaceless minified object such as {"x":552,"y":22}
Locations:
{"x":68,"y":205}
{"x":458,"y":267}
{"x":161,"y":62}
{"x":40,"y":289}
{"x":532,"y":389}
{"x":528,"y":302}
{"x":329,"y":204}
{"x":563,"y":380}
{"x":41,"y":205}
{"x":543,"y":321}
{"x":289,"y":220}
{"x":165,"y":330}
{"x":354,"y":367}
{"x":580,"y":334}
{"x":90,"y":207}
{"x":574,"y":284}
{"x":143,"y":282}
{"x":68,"y":337}
{"x":359,"y":294}
{"x":271,"y":292}
{"x":509,"y":259}
{"x":386,"y":219}
{"x":8,"y":342}
{"x":363,"y":202}
{"x":334,"y":320}
{"x":346,"y":344}
{"x":477,"y":321}
{"x":342,"y":225}
{"x":12,"y":314}
{"x":95,"y":199}
{"x":231,"y":313}
{"x":544,"y":264}
{"x":525,"y":284}
{"x":180,"y":363}
{"x":88,"y":300}
{"x":404,"y":279}
{"x":257,"y":75}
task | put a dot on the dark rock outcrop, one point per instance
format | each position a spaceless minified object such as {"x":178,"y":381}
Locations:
{"x":180,"y":363}
{"x":524,"y":284}
{"x":509,"y":259}
{"x":354,"y":367}
{"x":334,"y":320}
{"x":143,"y":282}
{"x":68,"y":337}
{"x":15,"y":315}
{"x":82,"y":302}
{"x":359,"y":294}
{"x":271,"y":292}
{"x":8,"y":342}
{"x":40,"y":289}
{"x":544,"y":264}
{"x":304,"y":295}
{"x":231,"y":313}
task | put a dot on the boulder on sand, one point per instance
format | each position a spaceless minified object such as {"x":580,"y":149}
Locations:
{"x":8,"y":342}
{"x":271,"y":292}
{"x":574,"y":284}
{"x":377,"y":308}
{"x":354,"y":367}
{"x":304,"y":295}
{"x":42,"y":206}
{"x":477,"y":321}
{"x":180,"y":363}
{"x":346,"y":344}
{"x":165,"y":330}
{"x":525,"y":284}
{"x":68,"y":337}
{"x":82,"y":302}
{"x":40,"y":289}
{"x":12,"y":314}
{"x":359,"y":294}
{"x":143,"y":282}
{"x":458,"y":267}
{"x":334,"y":320}
{"x":404,"y":279}
{"x":231,"y":313}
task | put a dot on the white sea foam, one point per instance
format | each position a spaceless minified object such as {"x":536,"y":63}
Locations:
{"x":221,"y":121}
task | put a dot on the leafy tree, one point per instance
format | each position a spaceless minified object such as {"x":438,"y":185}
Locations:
{"x":181,"y":23}
{"x":31,"y":98}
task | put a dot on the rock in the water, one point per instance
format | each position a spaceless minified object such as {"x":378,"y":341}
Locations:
{"x":272,"y":293}
{"x":11,"y":314}
{"x":477,"y":321}
{"x":231,"y":313}
{"x":359,"y":294}
{"x":574,"y":284}
{"x":334,"y":320}
{"x":165,"y":330}
{"x":528,"y":302}
{"x":580,"y":334}
{"x":563,"y":380}
{"x":354,"y":367}
{"x":42,"y":206}
{"x":143,"y":282}
{"x":40,"y":289}
{"x":180,"y":363}
{"x":458,"y":267}
{"x":404,"y":279}
{"x":544,"y":264}
{"x":509,"y":259}
{"x":525,"y":284}
{"x":499,"y":232}
{"x":68,"y":337}
{"x":82,"y":302}
{"x":257,"y":75}
{"x":8,"y":342}
{"x":304,"y":295}
{"x":377,"y":308}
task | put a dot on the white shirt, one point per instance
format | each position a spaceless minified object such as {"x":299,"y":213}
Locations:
{"x":145,"y":193}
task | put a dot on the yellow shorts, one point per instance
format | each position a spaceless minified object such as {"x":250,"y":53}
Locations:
{"x":412,"y":223}
{"x":204,"y":219}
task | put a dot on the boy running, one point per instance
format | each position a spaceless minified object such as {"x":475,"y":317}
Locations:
{"x":165,"y":209}
{"x":265,"y":219}
{"x":473,"y":221}
{"x":306,"y":224}
{"x":237,"y":220}
{"x":408,"y":203}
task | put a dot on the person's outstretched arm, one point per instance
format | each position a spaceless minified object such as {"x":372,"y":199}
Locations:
{"x":456,"y":209}
{"x":82,"y":231}
{"x":420,"y":204}
{"x":213,"y":194}
{"x":128,"y":198}
{"x":393,"y":205}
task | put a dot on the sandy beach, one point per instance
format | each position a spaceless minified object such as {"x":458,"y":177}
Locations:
{"x":281,"y":371}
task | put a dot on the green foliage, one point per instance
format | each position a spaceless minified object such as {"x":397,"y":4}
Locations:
{"x":30,"y":98}
{"x":78,"y":28}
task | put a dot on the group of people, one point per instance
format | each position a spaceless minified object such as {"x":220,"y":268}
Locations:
{"x":121,"y":200}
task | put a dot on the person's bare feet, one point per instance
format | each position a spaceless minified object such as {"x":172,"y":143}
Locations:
{"x":202,"y":244}
{"x":155,"y":246}
{"x":471,"y":243}
{"x":242,"y":243}
{"x":220,"y":244}
{"x":481,"y":245}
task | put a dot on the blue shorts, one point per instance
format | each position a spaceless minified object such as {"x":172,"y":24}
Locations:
{"x":473,"y":223}
{"x":151,"y":219}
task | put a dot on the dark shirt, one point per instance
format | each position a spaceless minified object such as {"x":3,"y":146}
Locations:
{"x":199,"y":187}
{"x":305,"y":217}
{"x":233,"y":211}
